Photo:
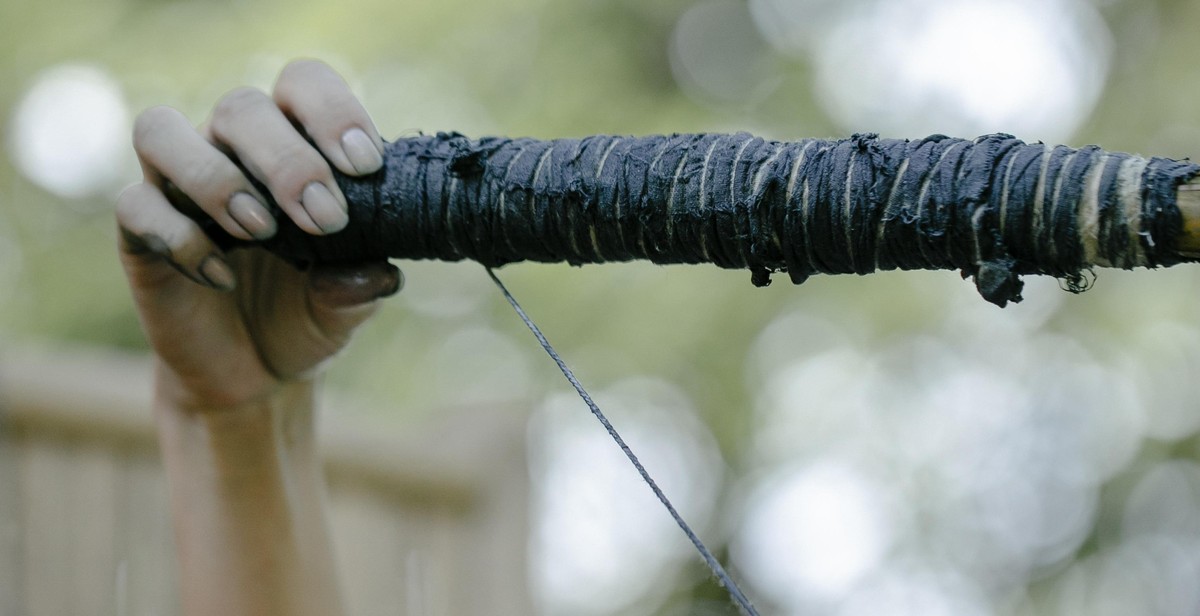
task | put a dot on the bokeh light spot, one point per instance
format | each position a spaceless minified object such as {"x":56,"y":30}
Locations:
{"x":468,"y":368}
{"x":717,"y":55}
{"x":814,"y":532}
{"x":602,"y":543}
{"x":965,"y":67}
{"x":70,"y":131}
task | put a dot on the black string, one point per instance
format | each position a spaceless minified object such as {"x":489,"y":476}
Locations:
{"x":735,"y":593}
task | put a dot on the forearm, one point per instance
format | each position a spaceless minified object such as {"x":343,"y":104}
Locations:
{"x":247,"y":496}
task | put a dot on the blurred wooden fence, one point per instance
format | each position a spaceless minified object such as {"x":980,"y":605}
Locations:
{"x":433,"y":523}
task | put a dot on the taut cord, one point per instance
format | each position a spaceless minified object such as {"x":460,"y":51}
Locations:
{"x":735,"y":593}
{"x":994,"y":207}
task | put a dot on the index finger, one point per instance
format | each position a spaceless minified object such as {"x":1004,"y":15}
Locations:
{"x":314,"y":96}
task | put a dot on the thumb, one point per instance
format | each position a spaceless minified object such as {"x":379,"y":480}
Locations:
{"x":341,"y":297}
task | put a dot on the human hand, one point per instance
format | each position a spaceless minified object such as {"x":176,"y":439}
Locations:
{"x":236,"y":328}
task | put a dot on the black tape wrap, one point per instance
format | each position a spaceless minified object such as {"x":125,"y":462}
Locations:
{"x":994,"y":207}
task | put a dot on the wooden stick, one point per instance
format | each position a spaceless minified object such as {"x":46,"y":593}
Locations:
{"x":1188,"y":200}
{"x":994,"y":208}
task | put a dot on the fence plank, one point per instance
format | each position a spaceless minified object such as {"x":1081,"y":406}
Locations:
{"x":371,"y":558}
{"x":92,"y":525}
{"x":45,"y":469}
{"x":431,"y":523}
{"x":12,"y":571}
{"x":147,"y":582}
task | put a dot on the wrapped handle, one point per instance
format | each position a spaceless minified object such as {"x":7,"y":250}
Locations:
{"x":994,"y":207}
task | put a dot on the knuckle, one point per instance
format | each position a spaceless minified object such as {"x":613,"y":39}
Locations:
{"x":298,"y":70}
{"x":234,"y":104}
{"x":131,"y":201}
{"x":188,"y":246}
{"x":128,"y":204}
{"x":214,"y":176}
{"x":151,"y":121}
{"x":294,"y":167}
{"x":140,"y":230}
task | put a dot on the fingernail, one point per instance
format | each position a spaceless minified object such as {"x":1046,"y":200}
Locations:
{"x":362,"y":151}
{"x":325,"y":209}
{"x":356,"y":284}
{"x":216,"y":272}
{"x":252,"y":215}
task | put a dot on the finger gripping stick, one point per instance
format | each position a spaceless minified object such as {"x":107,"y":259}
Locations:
{"x":994,"y":207}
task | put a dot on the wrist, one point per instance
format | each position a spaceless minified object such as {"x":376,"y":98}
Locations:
{"x":233,"y":395}
{"x":280,"y":416}
{"x":247,"y":500}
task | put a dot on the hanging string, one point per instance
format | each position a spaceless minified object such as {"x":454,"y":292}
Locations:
{"x":735,"y":592}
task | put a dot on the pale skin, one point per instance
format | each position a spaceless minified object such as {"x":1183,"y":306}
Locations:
{"x":240,"y":337}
